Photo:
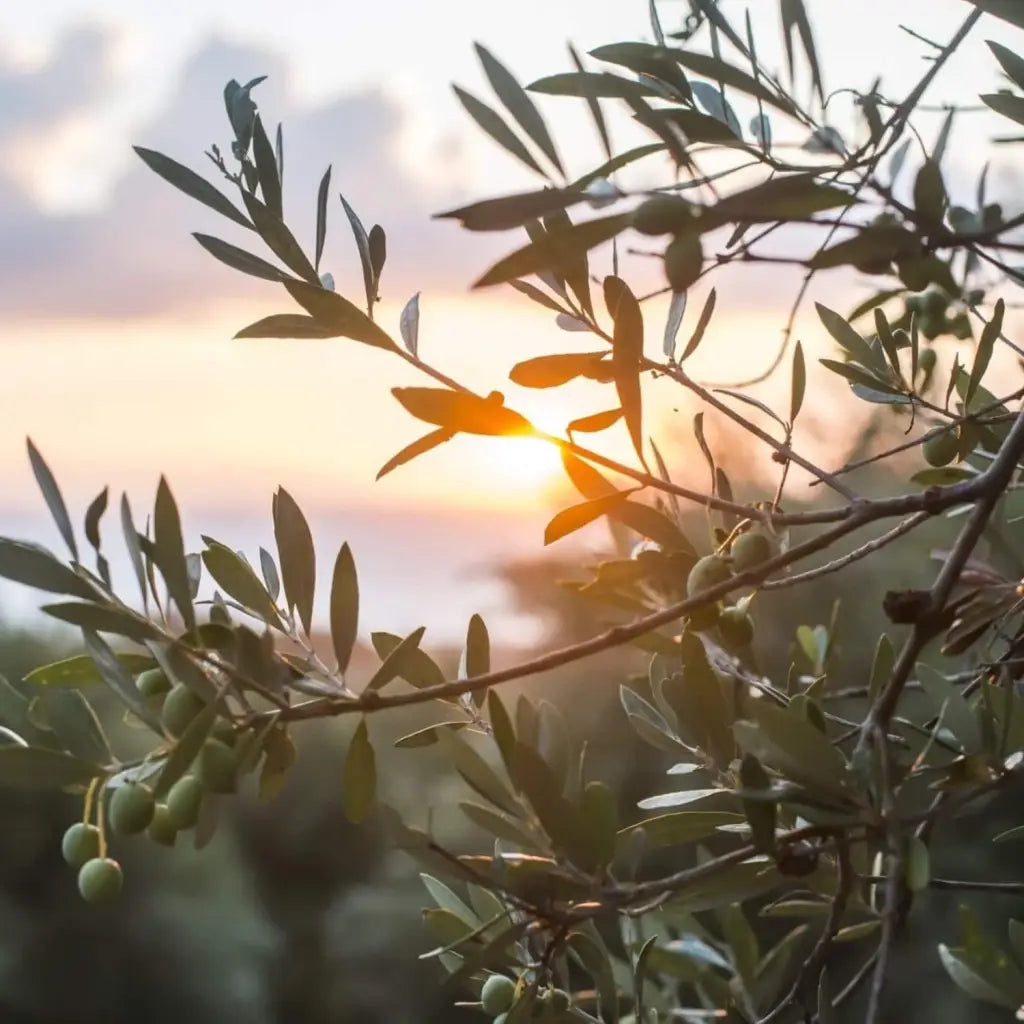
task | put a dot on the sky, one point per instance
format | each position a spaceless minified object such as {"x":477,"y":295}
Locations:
{"x":117,"y":349}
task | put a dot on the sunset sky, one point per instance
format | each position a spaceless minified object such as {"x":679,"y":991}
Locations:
{"x":117,"y":349}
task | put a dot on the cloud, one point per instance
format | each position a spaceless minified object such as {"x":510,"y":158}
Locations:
{"x":133,"y":255}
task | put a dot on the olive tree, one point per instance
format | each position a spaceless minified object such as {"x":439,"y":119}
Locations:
{"x":566,"y":912}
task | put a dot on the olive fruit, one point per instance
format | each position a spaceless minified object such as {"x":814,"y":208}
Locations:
{"x":153,"y":683}
{"x":736,"y":627}
{"x":684,"y":261}
{"x":161,"y":829}
{"x":708,"y":572}
{"x":184,"y":799}
{"x":926,"y":360}
{"x":940,"y":447}
{"x":180,"y":707}
{"x":100,"y":880}
{"x":559,"y":1001}
{"x":225,"y":732}
{"x":218,"y":767}
{"x":704,"y":618}
{"x":130,"y":808}
{"x":498,"y":994}
{"x":81,"y":843}
{"x":663,"y":215}
{"x":750,"y":550}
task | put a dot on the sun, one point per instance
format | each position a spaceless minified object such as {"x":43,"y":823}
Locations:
{"x":527,"y":463}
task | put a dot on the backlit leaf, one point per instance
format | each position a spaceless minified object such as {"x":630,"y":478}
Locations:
{"x":191,"y":184}
{"x":52,"y":496}
{"x":297,"y":555}
{"x":287,"y":325}
{"x":169,"y":552}
{"x":343,"y":318}
{"x":36,"y":768}
{"x":627,"y":354}
{"x":418,"y":447}
{"x":553,"y":370}
{"x":323,"y":193}
{"x":344,"y":607}
{"x":494,"y":125}
{"x":34,"y":566}
{"x":239,"y":259}
{"x":463,"y":412}
{"x":409,"y":325}
{"x":239,"y":582}
{"x":359,"y":784}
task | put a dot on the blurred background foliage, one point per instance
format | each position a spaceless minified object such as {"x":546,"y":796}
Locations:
{"x":293,"y":915}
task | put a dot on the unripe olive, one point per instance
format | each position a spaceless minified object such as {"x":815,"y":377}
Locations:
{"x":225,"y":732}
{"x":218,"y":767}
{"x":184,"y":800}
{"x":684,"y":261}
{"x":498,"y":994}
{"x":934,"y":300}
{"x":926,"y":360}
{"x":81,"y":843}
{"x":704,"y":618}
{"x":100,"y":880}
{"x":932,"y":326}
{"x":560,"y":1000}
{"x":180,"y":707}
{"x":161,"y":830}
{"x":663,"y":215}
{"x":708,"y":572}
{"x":750,"y":549}
{"x":130,"y":808}
{"x":941,"y":447}
{"x":736,"y":627}
{"x":153,"y":683}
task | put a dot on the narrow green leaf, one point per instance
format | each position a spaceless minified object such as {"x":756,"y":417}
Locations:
{"x":81,"y":670}
{"x":518,"y":104}
{"x":794,"y":15}
{"x":266,"y":168}
{"x":477,"y":773}
{"x":396,"y":664}
{"x":297,"y":555}
{"x":343,"y":318}
{"x":593,"y":104}
{"x":191,"y":184}
{"x":956,"y":713}
{"x":52,"y":496}
{"x":239,"y":259}
{"x":627,"y":354}
{"x":680,"y":827}
{"x":170,"y":552}
{"x":344,"y":607}
{"x":239,"y":582}
{"x":287,"y":325}
{"x":798,"y":383}
{"x":930,"y":197}
{"x":848,"y":338}
{"x":1009,"y":106}
{"x":34,"y":566}
{"x":359,"y":785}
{"x":321,"y":216}
{"x":983,"y":353}
{"x":363,"y":248}
{"x":600,"y":85}
{"x":494,"y":125}
{"x":575,"y":517}
{"x":279,"y":239}
{"x":554,"y":370}
{"x":418,"y":447}
{"x":513,"y":211}
{"x":463,"y":412}
{"x":555,"y":249}
{"x":122,"y":684}
{"x":36,"y":768}
{"x":1012,"y":63}
{"x":595,"y":423}
{"x":103,"y":619}
{"x":131,"y":540}
{"x":76,"y":726}
{"x":702,"y":325}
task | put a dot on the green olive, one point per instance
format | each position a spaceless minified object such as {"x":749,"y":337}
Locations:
{"x":751,"y":549}
{"x":100,"y":880}
{"x":941,"y":447}
{"x":684,"y":261}
{"x":81,"y":843}
{"x":180,"y":707}
{"x":560,"y":1000}
{"x":926,"y":360}
{"x":161,"y":829}
{"x":153,"y":683}
{"x":663,"y":215}
{"x":218,"y":767}
{"x":708,"y":572}
{"x":184,"y":800}
{"x":498,"y":994}
{"x":130,"y":808}
{"x":736,"y":628}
